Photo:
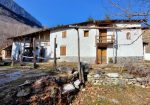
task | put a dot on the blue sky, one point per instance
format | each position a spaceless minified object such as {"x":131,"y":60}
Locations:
{"x":56,"y":12}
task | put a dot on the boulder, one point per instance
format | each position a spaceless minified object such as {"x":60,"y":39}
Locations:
{"x":96,"y":75}
{"x":127,"y":76}
{"x":68,"y":88}
{"x":113,"y":75}
{"x":77,"y":84}
{"x":24,"y":92}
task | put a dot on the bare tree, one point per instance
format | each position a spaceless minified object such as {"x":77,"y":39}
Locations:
{"x":134,"y":9}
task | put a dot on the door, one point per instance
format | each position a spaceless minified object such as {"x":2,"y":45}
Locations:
{"x":102,"y":56}
{"x":103,"y":35}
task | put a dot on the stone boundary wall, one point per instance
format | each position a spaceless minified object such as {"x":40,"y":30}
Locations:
{"x":118,"y":79}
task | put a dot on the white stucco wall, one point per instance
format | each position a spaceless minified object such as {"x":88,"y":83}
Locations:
{"x":87,"y":44}
{"x":127,"y":48}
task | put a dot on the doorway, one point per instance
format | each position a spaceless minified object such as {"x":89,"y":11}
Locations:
{"x":102,"y":55}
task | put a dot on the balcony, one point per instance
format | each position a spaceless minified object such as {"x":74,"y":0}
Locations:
{"x":103,"y":41}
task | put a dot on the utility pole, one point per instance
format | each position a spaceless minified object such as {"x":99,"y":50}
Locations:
{"x":55,"y":46}
{"x":116,"y":47}
{"x":81,"y":78}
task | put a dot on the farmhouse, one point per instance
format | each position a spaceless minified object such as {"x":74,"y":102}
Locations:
{"x":101,"y":42}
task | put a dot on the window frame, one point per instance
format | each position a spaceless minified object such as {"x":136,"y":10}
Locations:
{"x":86,"y":33}
{"x":128,"y":36}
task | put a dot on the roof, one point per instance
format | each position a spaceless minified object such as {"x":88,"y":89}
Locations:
{"x":95,"y":22}
{"x":7,"y":47}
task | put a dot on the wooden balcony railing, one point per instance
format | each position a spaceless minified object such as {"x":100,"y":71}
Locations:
{"x":109,"y":39}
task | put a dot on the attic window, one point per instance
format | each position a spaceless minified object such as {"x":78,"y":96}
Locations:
{"x":128,"y":36}
{"x":64,"y":34}
{"x":86,"y":33}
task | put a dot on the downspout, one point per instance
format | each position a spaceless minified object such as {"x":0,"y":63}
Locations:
{"x":116,"y":47}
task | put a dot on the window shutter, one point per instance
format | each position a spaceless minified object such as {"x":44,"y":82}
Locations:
{"x":64,"y":34}
{"x":63,"y":50}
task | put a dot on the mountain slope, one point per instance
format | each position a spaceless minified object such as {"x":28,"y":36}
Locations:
{"x":13,"y":24}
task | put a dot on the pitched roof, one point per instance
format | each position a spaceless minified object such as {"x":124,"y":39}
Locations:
{"x":95,"y":22}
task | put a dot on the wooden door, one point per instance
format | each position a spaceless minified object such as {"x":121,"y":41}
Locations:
{"x":102,"y":56}
{"x":103,"y":35}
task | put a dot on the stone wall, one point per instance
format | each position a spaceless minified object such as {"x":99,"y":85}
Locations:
{"x":124,"y":60}
{"x":101,"y":78}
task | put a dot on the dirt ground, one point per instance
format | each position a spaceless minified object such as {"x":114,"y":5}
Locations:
{"x":114,"y":95}
{"x":90,"y":95}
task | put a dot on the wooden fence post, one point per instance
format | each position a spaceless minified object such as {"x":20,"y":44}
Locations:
{"x":34,"y":53}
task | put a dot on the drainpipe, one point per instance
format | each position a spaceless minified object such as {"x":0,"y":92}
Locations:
{"x":116,"y":47}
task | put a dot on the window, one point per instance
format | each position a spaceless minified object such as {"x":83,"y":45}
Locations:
{"x":63,"y":50}
{"x":86,"y":33}
{"x":64,"y":34}
{"x":128,"y":36}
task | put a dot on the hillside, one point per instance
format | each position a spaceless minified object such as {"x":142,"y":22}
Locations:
{"x":14,"y":22}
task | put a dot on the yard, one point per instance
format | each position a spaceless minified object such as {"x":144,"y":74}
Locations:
{"x":89,"y":95}
{"x":114,"y":95}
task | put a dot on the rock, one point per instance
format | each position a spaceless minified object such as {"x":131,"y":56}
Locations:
{"x":102,"y":97}
{"x":24,"y":92}
{"x":113,"y":75}
{"x":83,"y":90}
{"x":40,"y":83}
{"x":77,"y":84}
{"x":97,"y":76}
{"x":76,"y":73}
{"x":139,"y":79}
{"x":27,"y":82}
{"x":68,"y":70}
{"x":115,"y":101}
{"x":68,"y":88}
{"x":128,"y":76}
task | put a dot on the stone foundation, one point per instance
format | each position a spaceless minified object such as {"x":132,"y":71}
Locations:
{"x":90,"y":60}
{"x":129,"y":59}
{"x":110,"y":79}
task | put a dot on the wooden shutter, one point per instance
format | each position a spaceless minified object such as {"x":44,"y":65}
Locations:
{"x":63,"y":50}
{"x":64,"y":34}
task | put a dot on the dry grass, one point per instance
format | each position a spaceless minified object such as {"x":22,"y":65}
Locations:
{"x":115,"y":95}
{"x":50,"y":65}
